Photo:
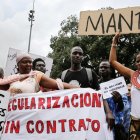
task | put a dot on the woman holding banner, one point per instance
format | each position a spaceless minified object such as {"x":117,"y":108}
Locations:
{"x":6,"y":81}
{"x":135,"y":89}
{"x":28,"y":81}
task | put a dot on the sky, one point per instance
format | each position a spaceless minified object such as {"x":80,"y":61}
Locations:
{"x":15,"y":27}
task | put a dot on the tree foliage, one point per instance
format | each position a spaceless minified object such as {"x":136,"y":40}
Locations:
{"x":96,"y":48}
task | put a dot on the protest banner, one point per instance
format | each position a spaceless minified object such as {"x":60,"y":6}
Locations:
{"x":59,"y":115}
{"x":4,"y":99}
{"x":107,"y":22}
{"x":11,"y":66}
{"x":117,"y":84}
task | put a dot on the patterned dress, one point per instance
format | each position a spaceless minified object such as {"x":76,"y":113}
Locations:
{"x":121,"y":117}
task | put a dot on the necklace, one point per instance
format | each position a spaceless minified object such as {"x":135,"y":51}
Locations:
{"x":134,"y":79}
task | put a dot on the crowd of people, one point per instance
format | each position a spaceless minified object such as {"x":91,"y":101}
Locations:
{"x":31,"y":80}
{"x":125,"y":125}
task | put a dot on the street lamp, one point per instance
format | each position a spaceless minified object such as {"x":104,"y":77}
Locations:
{"x":31,"y":19}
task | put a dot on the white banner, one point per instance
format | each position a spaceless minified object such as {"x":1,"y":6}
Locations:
{"x":57,"y":115}
{"x":4,"y":99}
{"x":117,"y":84}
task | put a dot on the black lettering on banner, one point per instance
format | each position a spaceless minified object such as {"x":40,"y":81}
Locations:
{"x":138,"y":20}
{"x":95,"y":27}
{"x":2,"y":113}
{"x":112,"y":18}
{"x":1,"y":95}
{"x":120,"y":22}
{"x":1,"y":125}
{"x":12,"y":56}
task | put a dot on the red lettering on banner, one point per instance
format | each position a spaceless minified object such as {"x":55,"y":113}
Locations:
{"x":87,"y":99}
{"x":48,"y":102}
{"x":95,"y":125}
{"x":62,"y":124}
{"x":39,"y":126}
{"x":88,"y":120}
{"x":74,"y":96}
{"x":66,"y":102}
{"x":9,"y":105}
{"x":71,"y":125}
{"x":77,"y":100}
{"x":41,"y":102}
{"x":30,"y":130}
{"x":33,"y":103}
{"x":7,"y":126}
{"x":81,"y":100}
{"x":12,"y":127}
{"x":15,"y":126}
{"x":51,"y":127}
{"x":14,"y":106}
{"x":26,"y":104}
{"x":56,"y":99}
{"x":82,"y":125}
{"x":20,"y":103}
{"x":96,"y":101}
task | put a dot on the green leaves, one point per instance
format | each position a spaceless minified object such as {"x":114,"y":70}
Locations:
{"x":97,"y":47}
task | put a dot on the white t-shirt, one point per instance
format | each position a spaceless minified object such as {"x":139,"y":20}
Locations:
{"x":135,"y":99}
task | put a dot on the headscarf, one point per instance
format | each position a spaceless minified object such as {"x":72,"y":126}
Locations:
{"x":21,"y":56}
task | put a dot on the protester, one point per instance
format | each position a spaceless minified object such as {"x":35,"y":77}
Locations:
{"x":84,"y":77}
{"x":39,"y":65}
{"x":135,"y":89}
{"x":6,"y":81}
{"x":78,"y":75}
{"x":106,"y":72}
{"x":33,"y":80}
{"x":118,"y":104}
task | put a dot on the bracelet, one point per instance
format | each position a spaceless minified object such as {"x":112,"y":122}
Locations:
{"x":59,"y":83}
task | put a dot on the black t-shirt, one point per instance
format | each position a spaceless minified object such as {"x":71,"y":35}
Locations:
{"x":80,"y":78}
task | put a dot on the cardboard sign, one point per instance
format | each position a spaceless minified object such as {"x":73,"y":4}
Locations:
{"x":11,"y":66}
{"x":107,"y":22}
{"x":117,"y":84}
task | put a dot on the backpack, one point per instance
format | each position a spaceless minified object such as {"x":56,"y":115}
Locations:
{"x":89,"y":74}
